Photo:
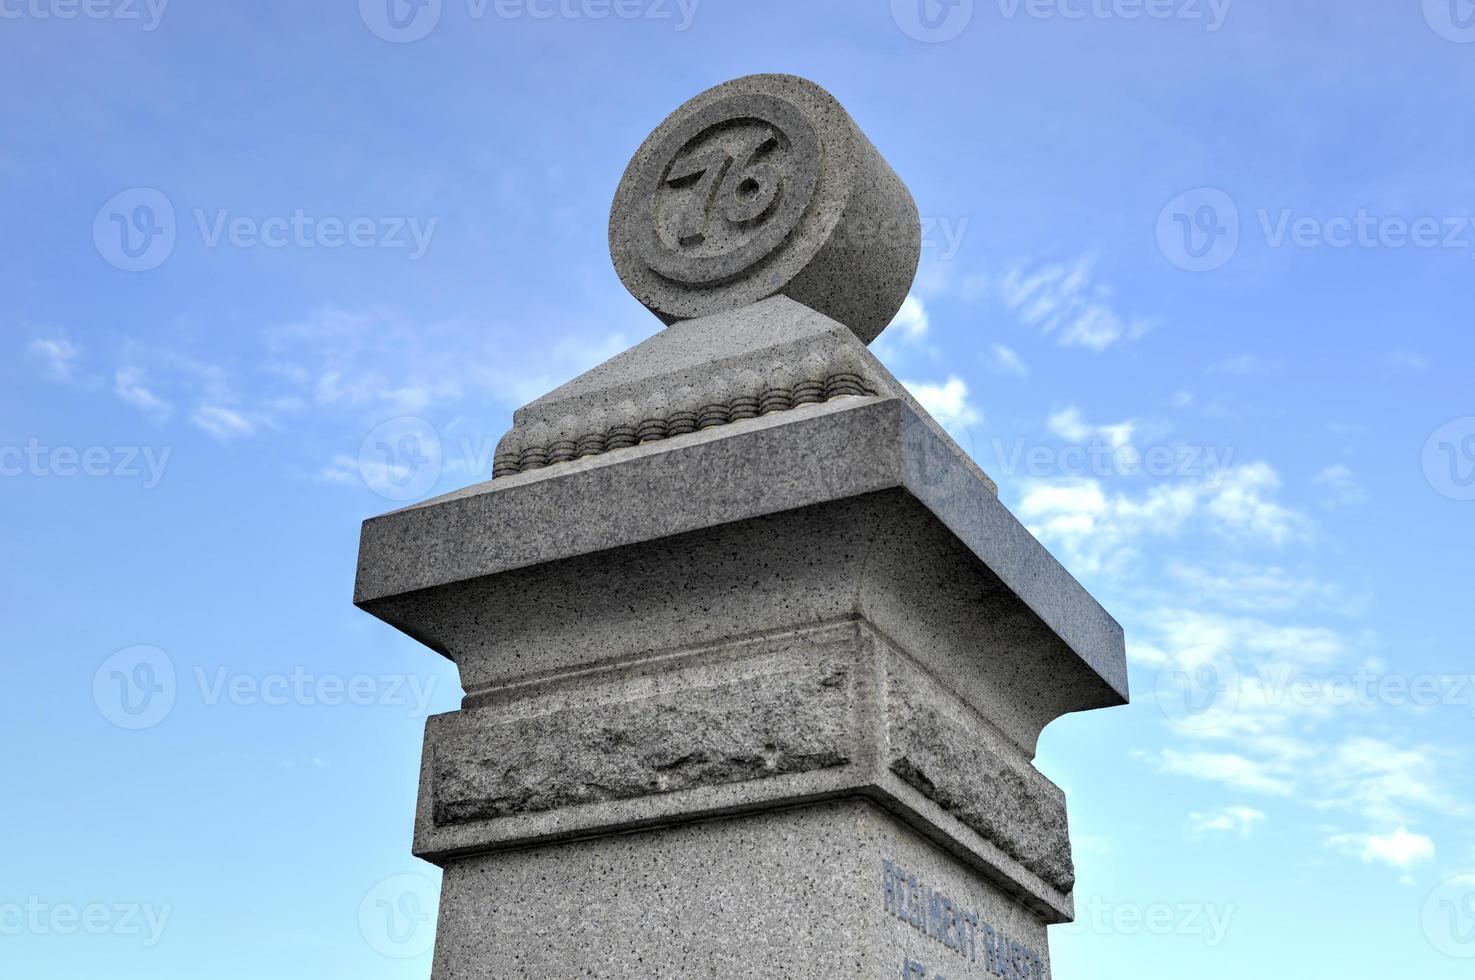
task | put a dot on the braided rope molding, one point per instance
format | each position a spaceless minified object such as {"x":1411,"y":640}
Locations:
{"x":512,"y":458}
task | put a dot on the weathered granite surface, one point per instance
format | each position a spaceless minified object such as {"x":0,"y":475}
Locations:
{"x":839,"y":890}
{"x":854,"y":507}
{"x":760,"y":186}
{"x":755,"y":659}
{"x":831,"y":711}
{"x":965,"y":767}
{"x":771,"y":357}
{"x":773,"y":725}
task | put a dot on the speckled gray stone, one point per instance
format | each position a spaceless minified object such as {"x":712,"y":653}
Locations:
{"x":961,"y":764}
{"x":848,"y":508}
{"x":784,"y":894}
{"x":760,"y":186}
{"x":755,"y":660}
{"x":773,"y":725}
{"x":831,"y":711}
{"x":776,"y":345}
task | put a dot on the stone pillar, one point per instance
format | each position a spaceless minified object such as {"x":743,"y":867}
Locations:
{"x":755,"y":660}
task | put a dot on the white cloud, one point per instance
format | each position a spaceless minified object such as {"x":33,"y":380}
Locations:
{"x":1341,"y":487}
{"x":947,"y":402}
{"x":1250,"y":587}
{"x":1063,"y":301}
{"x":380,"y":362}
{"x":1387,"y":783}
{"x":1069,"y":424}
{"x":1249,"y":366}
{"x":1399,"y":849}
{"x":55,"y":355}
{"x":1242,"y":504}
{"x":223,"y":423}
{"x":1228,"y":768}
{"x":1252,"y":640}
{"x":130,"y":384}
{"x":1004,"y":360}
{"x":911,"y":322}
{"x":1232,"y":819}
{"x":1097,"y":530}
{"x":1412,"y":360}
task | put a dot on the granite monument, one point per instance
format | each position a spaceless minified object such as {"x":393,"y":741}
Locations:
{"x":755,"y":660}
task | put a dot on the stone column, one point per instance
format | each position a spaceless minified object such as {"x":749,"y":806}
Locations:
{"x":755,"y":660}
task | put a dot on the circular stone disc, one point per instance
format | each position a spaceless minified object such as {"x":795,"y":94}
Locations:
{"x":762,"y":186}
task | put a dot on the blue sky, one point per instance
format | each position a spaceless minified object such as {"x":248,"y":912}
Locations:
{"x":1195,"y":290}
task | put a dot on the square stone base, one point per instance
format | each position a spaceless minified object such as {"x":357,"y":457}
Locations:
{"x":830,"y":891}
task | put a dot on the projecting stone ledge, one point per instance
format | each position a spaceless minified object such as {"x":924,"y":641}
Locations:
{"x":849,"y":508}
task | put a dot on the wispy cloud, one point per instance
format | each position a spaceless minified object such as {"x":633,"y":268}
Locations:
{"x":1004,"y":360}
{"x":131,"y":385}
{"x":1068,"y":302}
{"x":1399,"y":849}
{"x":911,"y":322}
{"x":1069,"y":424}
{"x":1233,"y":819}
{"x":1248,"y":366}
{"x":1228,"y":768}
{"x":1409,"y":360}
{"x":1340,"y":487}
{"x":1099,"y":529}
{"x":224,"y":424}
{"x":947,"y":402}
{"x":56,"y":355}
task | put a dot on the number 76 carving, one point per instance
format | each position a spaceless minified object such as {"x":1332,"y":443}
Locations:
{"x":742,"y":194}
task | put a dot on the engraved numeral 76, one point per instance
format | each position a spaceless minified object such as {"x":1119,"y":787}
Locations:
{"x":742,"y":193}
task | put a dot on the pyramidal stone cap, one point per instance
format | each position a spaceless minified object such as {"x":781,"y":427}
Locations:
{"x":759,"y":187}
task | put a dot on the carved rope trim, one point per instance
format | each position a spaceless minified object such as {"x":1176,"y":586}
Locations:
{"x":511,"y":458}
